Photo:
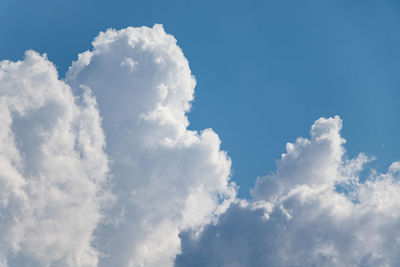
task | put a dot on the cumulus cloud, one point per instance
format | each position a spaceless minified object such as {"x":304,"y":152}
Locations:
{"x":100,"y":169}
{"x":166,"y":177}
{"x":52,"y":167}
{"x":315,"y":210}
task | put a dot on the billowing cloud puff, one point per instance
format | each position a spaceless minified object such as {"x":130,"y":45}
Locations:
{"x":67,"y":198}
{"x":166,"y":177}
{"x":52,"y":168}
{"x":315,"y":210}
{"x":99,"y":169}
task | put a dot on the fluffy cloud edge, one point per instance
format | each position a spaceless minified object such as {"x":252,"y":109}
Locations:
{"x":314,"y":210}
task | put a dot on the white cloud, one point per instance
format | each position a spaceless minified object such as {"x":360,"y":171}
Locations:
{"x":101,"y":170}
{"x":66,"y":199}
{"x":52,"y":167}
{"x":166,"y":177}
{"x":298,"y":216}
{"x":55,"y":168}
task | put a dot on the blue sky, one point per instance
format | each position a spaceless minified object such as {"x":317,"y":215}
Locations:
{"x":265,"y":70}
{"x":99,"y":165}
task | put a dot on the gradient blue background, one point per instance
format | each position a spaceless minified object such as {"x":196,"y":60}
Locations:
{"x":265,"y":69}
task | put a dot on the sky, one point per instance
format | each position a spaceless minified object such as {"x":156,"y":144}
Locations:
{"x":222,"y":133}
{"x":265,"y":70}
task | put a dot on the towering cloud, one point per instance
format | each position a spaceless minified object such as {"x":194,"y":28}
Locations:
{"x":166,"y":178}
{"x":67,"y":199}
